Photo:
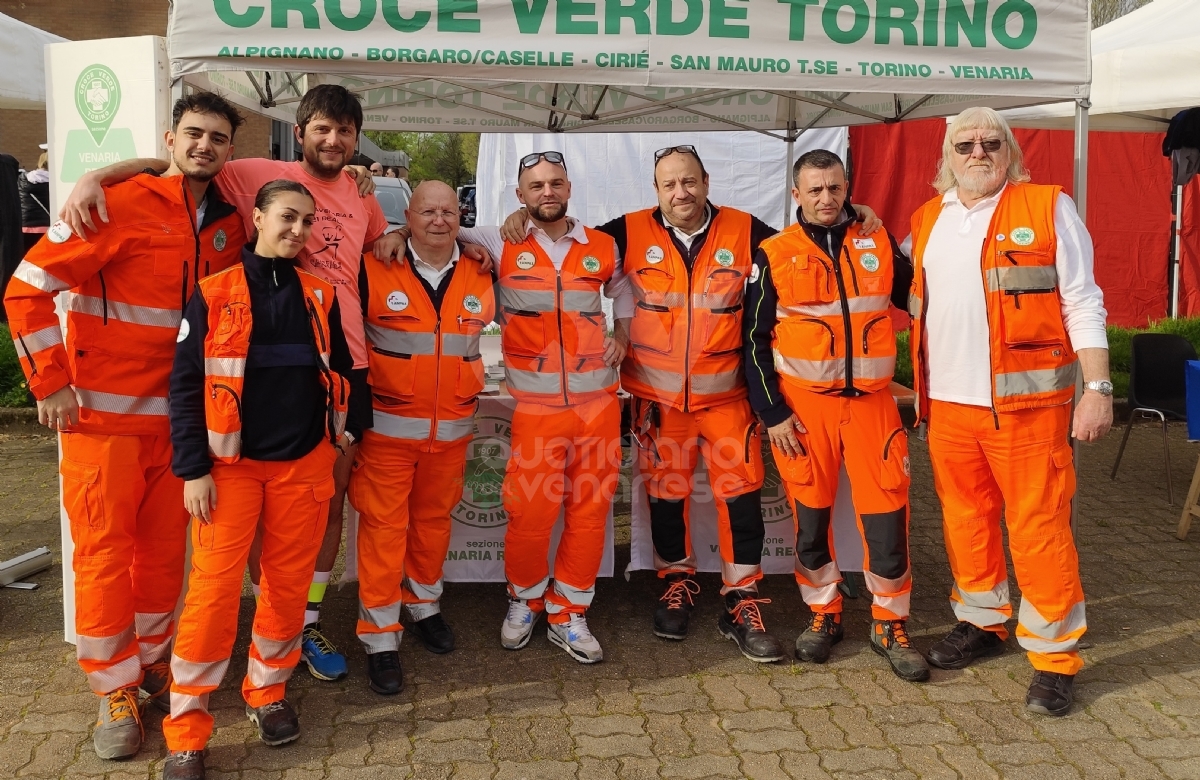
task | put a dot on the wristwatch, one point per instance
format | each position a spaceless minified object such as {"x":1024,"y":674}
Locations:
{"x":1101,"y":386}
{"x":350,"y":436}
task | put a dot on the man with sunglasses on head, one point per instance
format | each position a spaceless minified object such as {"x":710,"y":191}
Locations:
{"x":562,"y":368}
{"x":1004,"y":304}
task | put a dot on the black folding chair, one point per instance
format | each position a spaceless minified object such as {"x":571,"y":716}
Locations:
{"x":1156,"y":387}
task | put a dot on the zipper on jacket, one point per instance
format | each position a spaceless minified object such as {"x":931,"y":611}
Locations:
{"x":28,"y":356}
{"x":867,"y":331}
{"x":237,"y":402}
{"x":195,"y":236}
{"x":184,"y":289}
{"x":103,"y":297}
{"x":841,"y":285}
{"x":828,"y":327}
{"x":687,"y":348}
{"x":562,"y":350}
{"x":850,"y":263}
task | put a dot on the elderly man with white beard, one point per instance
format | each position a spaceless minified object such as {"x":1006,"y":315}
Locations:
{"x":1004,"y":305}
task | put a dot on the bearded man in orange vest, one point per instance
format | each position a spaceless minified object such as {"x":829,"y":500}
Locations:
{"x":820,"y":352}
{"x":1004,"y":305}
{"x":423,"y":322}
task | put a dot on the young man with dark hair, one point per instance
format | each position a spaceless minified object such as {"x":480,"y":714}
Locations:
{"x":105,"y":391}
{"x":328,"y":121}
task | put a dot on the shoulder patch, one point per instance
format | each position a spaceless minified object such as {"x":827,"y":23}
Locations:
{"x":184,"y":330}
{"x":755,"y":273}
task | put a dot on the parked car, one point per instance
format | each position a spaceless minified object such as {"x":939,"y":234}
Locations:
{"x":393,"y":198}
{"x":466,"y":204}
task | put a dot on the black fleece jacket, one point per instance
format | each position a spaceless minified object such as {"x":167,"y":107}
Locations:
{"x":283,"y":402}
{"x":759,"y":232}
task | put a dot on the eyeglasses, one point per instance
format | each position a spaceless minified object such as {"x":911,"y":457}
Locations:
{"x":530,"y":160}
{"x":686,"y":149}
{"x":449,"y":216}
{"x":989,"y":146}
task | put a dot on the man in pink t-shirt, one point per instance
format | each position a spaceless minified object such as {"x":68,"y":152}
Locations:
{"x":328,"y":121}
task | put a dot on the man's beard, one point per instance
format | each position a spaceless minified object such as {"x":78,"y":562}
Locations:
{"x":980,"y":180}
{"x":550,"y":212}
{"x":312,"y":156}
{"x":194,"y":172}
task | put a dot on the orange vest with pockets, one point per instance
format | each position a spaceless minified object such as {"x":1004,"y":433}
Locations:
{"x":553,"y":325}
{"x":833,"y":329}
{"x":685,"y":341}
{"x":424,"y":365}
{"x":227,"y":345}
{"x":1032,"y":361}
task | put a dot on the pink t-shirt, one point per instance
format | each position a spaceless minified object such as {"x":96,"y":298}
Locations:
{"x":345,"y":223}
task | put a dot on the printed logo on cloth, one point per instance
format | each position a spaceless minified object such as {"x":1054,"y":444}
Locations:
{"x":1022,"y":236}
{"x":472,"y":304}
{"x":220,"y":240}
{"x":724,"y":257}
{"x":864,"y":243}
{"x":525,"y":261}
{"x":58,"y":232}
{"x":654,"y":255}
{"x":591,"y":264}
{"x":869,"y":262}
{"x":398,"y":301}
{"x":97,"y":98}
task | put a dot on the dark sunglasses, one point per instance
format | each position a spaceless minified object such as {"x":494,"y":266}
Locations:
{"x":687,"y":149}
{"x":990,"y":145}
{"x":530,"y":160}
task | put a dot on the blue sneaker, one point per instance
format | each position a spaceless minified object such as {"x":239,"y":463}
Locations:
{"x":323,"y":660}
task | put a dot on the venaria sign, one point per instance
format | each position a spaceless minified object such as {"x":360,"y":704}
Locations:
{"x":911,"y":46}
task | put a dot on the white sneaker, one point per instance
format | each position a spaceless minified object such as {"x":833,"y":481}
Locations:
{"x":576,"y":638}
{"x":518,"y":625}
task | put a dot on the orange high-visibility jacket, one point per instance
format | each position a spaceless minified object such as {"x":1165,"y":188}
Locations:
{"x":424,"y":365}
{"x":1032,"y":361}
{"x":227,"y":345}
{"x":833,"y":331}
{"x":125,"y":288}
{"x":686,"y":336}
{"x":553,"y":325}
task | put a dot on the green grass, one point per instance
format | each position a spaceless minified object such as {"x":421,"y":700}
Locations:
{"x":13,"y":388}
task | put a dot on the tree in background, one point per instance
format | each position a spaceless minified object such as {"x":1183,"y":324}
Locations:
{"x":448,"y":157}
{"x":1105,"y":11}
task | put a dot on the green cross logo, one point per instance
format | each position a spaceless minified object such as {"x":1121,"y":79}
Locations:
{"x":97,"y":98}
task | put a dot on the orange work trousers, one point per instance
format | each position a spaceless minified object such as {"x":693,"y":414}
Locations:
{"x":564,"y":459}
{"x":727,"y":437}
{"x":291,"y":501}
{"x":129,"y":529}
{"x":404,"y":496}
{"x":1021,"y":462}
{"x":866,"y":433}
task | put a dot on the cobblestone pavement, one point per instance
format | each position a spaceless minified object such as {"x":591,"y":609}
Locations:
{"x":678,"y":710}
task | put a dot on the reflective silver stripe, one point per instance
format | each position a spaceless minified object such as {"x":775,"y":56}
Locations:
{"x":36,"y":277}
{"x":38,"y":340}
{"x":581,"y":300}
{"x":381,"y":643}
{"x":263,"y":675}
{"x":198,"y":674}
{"x":860,"y":305}
{"x":915,"y":305}
{"x":224,"y":366}
{"x":532,"y":592}
{"x":667,"y":381}
{"x":153,"y":652}
{"x":590,"y":381}
{"x":151,"y":624}
{"x":688,"y":564}
{"x":387,"y":616}
{"x":1039,"y":635}
{"x":874,"y":368}
{"x":673,"y":300}
{"x":723,"y":382}
{"x":422,"y":610}
{"x":125,"y":312}
{"x":532,"y":381}
{"x":225,"y":445}
{"x":713,"y":301}
{"x":119,"y":675}
{"x":182,"y":703}
{"x":404,"y":342}
{"x":102,"y":648}
{"x":740,"y":575}
{"x":894,"y":595}
{"x":460,"y":344}
{"x":453,"y":430}
{"x":983,"y":608}
{"x":821,"y":586}
{"x":526,"y":300}
{"x":422,"y":591}
{"x":339,"y":422}
{"x":1042,"y":380}
{"x":1039,"y":277}
{"x":574,"y":596}
{"x":401,"y":427}
{"x":324,"y":358}
{"x":275,"y":649}
{"x":811,"y":370}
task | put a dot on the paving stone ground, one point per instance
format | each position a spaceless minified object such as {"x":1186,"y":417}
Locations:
{"x":691,"y":709}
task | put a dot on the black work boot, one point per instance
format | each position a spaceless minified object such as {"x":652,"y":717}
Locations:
{"x":816,"y":642}
{"x":1051,"y":693}
{"x":890,"y":639}
{"x":384,"y":675}
{"x":742,"y":622}
{"x":965,"y":643}
{"x":434,"y":633}
{"x":184,"y":765}
{"x":277,"y":722}
{"x":675,"y":606}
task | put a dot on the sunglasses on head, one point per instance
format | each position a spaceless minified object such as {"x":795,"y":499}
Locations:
{"x":530,"y":160}
{"x":990,"y":145}
{"x":686,"y":149}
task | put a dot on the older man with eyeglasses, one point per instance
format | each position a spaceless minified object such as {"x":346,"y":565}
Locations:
{"x":1004,"y":306}
{"x":423,"y":322}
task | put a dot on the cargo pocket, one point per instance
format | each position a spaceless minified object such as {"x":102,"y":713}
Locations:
{"x":510,"y":494}
{"x":651,"y":328}
{"x":809,"y":280}
{"x":894,"y":469}
{"x":1030,"y":310}
{"x":323,"y":492}
{"x":82,"y":496}
{"x":170,"y":253}
{"x":797,"y":470}
{"x":1064,"y":465}
{"x":395,"y":373}
{"x":470,"y":379}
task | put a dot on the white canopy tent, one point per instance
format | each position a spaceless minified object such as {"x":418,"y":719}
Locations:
{"x":22,"y":64}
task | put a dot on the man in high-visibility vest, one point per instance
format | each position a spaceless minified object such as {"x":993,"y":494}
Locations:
{"x":1004,"y":306}
{"x":820,"y":352}
{"x":105,"y":391}
{"x":423,"y":321}
{"x":561,"y":367}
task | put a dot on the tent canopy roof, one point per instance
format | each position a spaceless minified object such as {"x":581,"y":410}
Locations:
{"x":22,"y":64}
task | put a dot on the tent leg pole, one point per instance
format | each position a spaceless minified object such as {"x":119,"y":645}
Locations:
{"x":787,"y":190}
{"x":1080,"y":191}
{"x":1176,"y":265}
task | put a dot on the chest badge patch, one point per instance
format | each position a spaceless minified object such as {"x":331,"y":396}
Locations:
{"x":654,"y":255}
{"x":591,"y":264}
{"x":58,"y":232}
{"x":472,"y":304}
{"x":869,"y":262}
{"x":1022,"y":236}
{"x":397,"y":301}
{"x":864,"y":243}
{"x":525,"y":261}
{"x":220,"y":240}
{"x":724,"y":258}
